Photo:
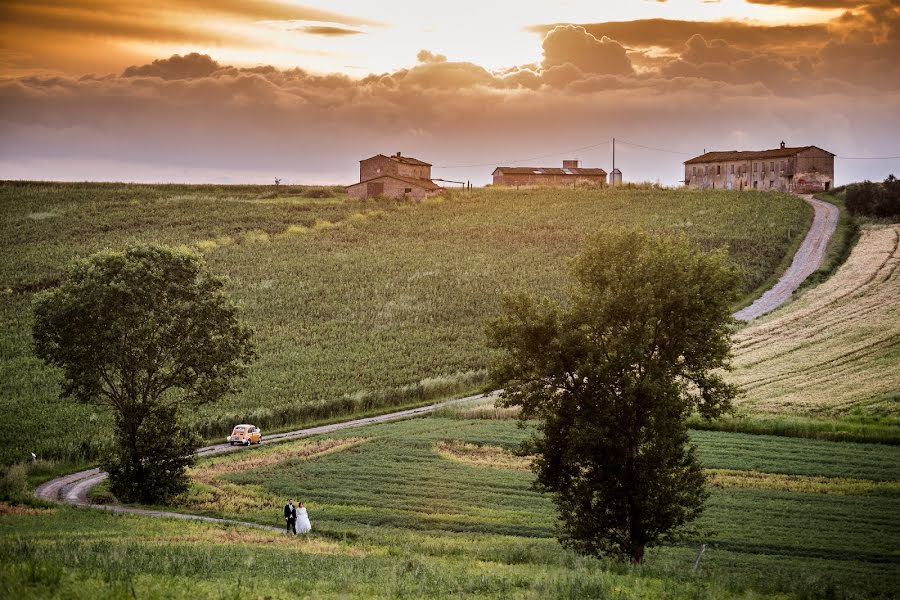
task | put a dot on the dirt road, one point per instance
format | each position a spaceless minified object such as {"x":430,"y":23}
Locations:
{"x":807,"y":259}
{"x":73,"y":489}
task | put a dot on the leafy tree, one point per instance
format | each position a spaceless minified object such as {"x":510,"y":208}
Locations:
{"x":611,"y":376}
{"x":146,"y":333}
{"x":874,"y":199}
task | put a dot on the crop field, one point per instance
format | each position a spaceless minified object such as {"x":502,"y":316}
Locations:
{"x":836,"y":349}
{"x":438,"y":507}
{"x":357,"y":306}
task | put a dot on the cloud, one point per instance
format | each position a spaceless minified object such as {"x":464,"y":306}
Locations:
{"x":191,"y":116}
{"x":176,"y":67}
{"x":819,"y":4}
{"x":570,"y":44}
{"x":328,"y":30}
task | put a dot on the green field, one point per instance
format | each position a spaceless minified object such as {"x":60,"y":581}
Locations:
{"x":357,"y":306}
{"x":393,"y":517}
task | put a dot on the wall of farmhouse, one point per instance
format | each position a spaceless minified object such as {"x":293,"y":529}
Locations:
{"x":375,"y":166}
{"x":514,"y":179}
{"x":810,"y":171}
{"x":390,"y":188}
{"x":414,"y":171}
{"x":814,"y":171}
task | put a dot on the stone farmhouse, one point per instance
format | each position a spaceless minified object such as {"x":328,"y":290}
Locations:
{"x":805,"y":169}
{"x":394,"y":176}
{"x":569,"y":175}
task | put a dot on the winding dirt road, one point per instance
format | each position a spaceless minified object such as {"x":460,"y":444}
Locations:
{"x":73,"y":489}
{"x":807,"y":259}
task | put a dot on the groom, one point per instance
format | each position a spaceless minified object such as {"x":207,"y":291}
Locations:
{"x":290,"y":516}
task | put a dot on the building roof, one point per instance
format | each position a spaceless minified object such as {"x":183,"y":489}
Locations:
{"x":547,"y":171}
{"x":406,"y":160}
{"x":426,"y":184}
{"x":726,"y":155}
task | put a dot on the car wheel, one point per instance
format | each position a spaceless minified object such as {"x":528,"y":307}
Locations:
{"x":231,"y":443}
{"x":248,"y":443}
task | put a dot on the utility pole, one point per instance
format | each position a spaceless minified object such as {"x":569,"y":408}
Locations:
{"x":613,"y":174}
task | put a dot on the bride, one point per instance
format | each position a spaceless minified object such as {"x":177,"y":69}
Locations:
{"x":303,"y":524}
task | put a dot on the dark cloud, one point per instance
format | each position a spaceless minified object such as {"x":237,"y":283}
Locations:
{"x":820,"y":4}
{"x":570,"y":44}
{"x":176,"y":67}
{"x":671,"y":34}
{"x":328,"y":30}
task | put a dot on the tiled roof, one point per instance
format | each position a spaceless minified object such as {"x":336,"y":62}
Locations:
{"x":547,"y":171}
{"x":407,"y":160}
{"x":750,"y":154}
{"x":422,"y":183}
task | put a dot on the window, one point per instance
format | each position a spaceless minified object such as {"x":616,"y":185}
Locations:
{"x":718,"y":169}
{"x":781,"y":166}
{"x":706,"y":170}
{"x":771,"y":184}
{"x":755,"y":167}
{"x":407,"y":190}
{"x":732,"y":169}
{"x":772,"y":166}
{"x":694,"y":172}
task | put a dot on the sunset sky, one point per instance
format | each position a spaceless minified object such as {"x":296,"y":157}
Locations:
{"x":245,"y":91}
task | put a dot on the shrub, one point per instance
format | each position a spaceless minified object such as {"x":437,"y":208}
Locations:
{"x":14,"y":483}
{"x":874,"y":199}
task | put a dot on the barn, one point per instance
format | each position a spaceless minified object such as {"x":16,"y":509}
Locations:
{"x":803,"y":169}
{"x":394,"y":176}
{"x":570,"y":174}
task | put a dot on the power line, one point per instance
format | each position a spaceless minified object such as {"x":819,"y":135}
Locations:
{"x":626,"y":142}
{"x":868,"y":157}
{"x":495,"y":163}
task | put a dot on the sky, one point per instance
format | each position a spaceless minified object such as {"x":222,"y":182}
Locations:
{"x":234,"y":91}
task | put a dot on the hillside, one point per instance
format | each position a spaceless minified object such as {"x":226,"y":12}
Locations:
{"x":403,"y":510}
{"x":836,"y":348}
{"x":349,"y":300}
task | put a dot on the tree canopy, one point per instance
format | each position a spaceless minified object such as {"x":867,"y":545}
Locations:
{"x":610,"y":377}
{"x":145,"y":332}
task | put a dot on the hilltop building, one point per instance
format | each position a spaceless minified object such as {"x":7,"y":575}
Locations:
{"x":570,"y":174}
{"x":805,"y":169}
{"x":394,"y":176}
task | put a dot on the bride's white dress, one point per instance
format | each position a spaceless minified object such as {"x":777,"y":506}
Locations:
{"x":303,"y":524}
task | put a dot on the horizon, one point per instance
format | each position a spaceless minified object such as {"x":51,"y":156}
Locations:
{"x":230,"y":93}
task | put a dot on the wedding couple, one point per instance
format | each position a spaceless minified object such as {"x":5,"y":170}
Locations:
{"x":296,"y":519}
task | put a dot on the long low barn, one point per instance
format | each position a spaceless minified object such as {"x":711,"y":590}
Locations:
{"x":569,"y":174}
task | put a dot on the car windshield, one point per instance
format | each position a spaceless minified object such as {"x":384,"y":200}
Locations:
{"x":239,"y":430}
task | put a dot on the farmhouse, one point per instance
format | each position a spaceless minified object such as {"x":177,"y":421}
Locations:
{"x":569,"y":174}
{"x":394,"y":176}
{"x":805,"y":169}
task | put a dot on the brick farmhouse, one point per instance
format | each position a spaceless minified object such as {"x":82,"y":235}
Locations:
{"x":394,"y":176}
{"x":805,"y":169}
{"x":569,"y":175}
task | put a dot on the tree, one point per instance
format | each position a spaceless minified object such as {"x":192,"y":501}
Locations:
{"x":610,"y":378}
{"x":146,"y":333}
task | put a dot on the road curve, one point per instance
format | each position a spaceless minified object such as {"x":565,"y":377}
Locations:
{"x":74,"y":488}
{"x":807,"y":259}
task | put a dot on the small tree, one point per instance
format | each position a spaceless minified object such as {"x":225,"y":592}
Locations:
{"x":611,"y":377}
{"x":145,"y":333}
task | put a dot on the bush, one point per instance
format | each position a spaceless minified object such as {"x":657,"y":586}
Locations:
{"x":874,"y":199}
{"x":14,"y":483}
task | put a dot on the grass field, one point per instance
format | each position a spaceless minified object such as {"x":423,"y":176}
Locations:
{"x":401,"y":510}
{"x":356,"y":305}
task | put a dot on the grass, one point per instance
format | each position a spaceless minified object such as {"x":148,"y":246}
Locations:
{"x":394,"y":516}
{"x":357,"y":306}
{"x":833,"y":351}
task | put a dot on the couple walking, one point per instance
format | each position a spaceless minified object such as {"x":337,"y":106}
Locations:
{"x":296,"y":519}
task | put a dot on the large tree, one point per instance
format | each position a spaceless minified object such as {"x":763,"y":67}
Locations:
{"x":147,"y":333}
{"x":610,"y":378}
